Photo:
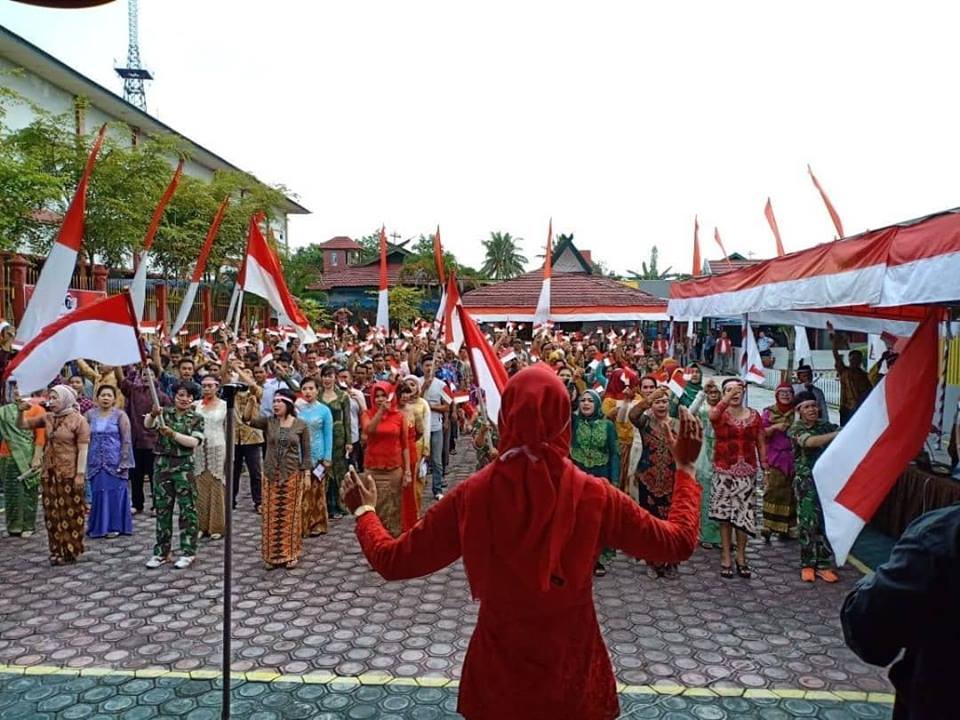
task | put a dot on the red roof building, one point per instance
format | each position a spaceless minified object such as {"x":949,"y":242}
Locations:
{"x":734,"y":261}
{"x":576,"y":295}
{"x":339,"y":253}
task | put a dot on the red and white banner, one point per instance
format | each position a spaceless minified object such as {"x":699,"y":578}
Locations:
{"x":452,"y":328}
{"x":187,"y":303}
{"x":383,"y":302}
{"x":678,"y":381}
{"x":262,"y":275}
{"x":541,"y":315}
{"x":861,"y":465}
{"x":490,"y":374}
{"x":54,"y":280}
{"x":73,"y":300}
{"x":751,"y":365}
{"x":914,"y":263}
{"x":138,"y":288}
{"x":105,"y":331}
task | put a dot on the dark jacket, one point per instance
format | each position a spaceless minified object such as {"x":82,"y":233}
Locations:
{"x":912,"y":603}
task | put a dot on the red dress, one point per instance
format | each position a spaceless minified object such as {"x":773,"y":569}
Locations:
{"x":537,"y":653}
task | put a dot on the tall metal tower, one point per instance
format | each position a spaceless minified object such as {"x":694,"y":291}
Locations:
{"x":134,"y":74}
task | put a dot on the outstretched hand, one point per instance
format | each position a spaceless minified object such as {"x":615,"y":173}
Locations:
{"x":686,"y":442}
{"x":356,"y":490}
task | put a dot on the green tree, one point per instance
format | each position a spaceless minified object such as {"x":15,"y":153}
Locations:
{"x":503,"y":258}
{"x":651,"y":271}
{"x":404,"y":303}
{"x":303,"y":267}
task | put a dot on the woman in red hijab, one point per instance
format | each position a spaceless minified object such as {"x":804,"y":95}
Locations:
{"x":383,"y":429}
{"x":530,"y":527}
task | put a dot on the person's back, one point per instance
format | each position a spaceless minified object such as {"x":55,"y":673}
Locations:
{"x":912,"y":603}
{"x":530,"y":527}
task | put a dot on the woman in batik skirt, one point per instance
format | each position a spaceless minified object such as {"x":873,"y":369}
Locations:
{"x":64,"y":470}
{"x":779,"y":501}
{"x":655,"y":475}
{"x":21,"y":457}
{"x":319,"y":420}
{"x":286,"y":465}
{"x":209,"y":460}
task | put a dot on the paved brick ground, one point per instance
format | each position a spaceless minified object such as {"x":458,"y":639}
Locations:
{"x":773,"y":641}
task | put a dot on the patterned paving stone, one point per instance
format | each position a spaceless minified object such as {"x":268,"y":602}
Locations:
{"x":333,"y":614}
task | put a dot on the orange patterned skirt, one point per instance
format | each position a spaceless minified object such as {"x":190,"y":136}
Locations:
{"x":315,"y":506}
{"x":281,"y":539}
{"x":64,"y":513}
{"x":389,"y":491}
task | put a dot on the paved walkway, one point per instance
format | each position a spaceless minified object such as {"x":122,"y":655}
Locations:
{"x":107,"y":638}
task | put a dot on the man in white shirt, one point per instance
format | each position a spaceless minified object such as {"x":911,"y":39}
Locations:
{"x":433,"y":394}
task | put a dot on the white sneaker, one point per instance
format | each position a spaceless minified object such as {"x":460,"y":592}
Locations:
{"x":216,"y":536}
{"x":156,"y":561}
{"x":184,"y":562}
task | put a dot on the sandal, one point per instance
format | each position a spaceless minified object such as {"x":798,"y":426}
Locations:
{"x":726,"y":571}
{"x":828,"y":576}
{"x":599,"y":570}
{"x":744,"y":571}
{"x":292,"y":564}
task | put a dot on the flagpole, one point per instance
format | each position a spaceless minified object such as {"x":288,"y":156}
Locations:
{"x":745,"y":354}
{"x":228,"y":392}
{"x":239,"y":311}
{"x":143,"y":357}
{"x":233,"y":302}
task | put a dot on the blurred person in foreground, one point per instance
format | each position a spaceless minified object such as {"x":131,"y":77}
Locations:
{"x":909,"y":605}
{"x":530,"y":527}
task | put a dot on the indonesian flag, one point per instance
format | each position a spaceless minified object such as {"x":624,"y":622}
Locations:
{"x":751,"y":366}
{"x":678,"y":381}
{"x":542,"y":314}
{"x":452,"y":328}
{"x":490,"y":374}
{"x":187,"y":303}
{"x":105,"y":331}
{"x":54,"y":280}
{"x":697,"y":263}
{"x":383,"y":303}
{"x":826,"y":201}
{"x":716,"y":237}
{"x":857,"y":470}
{"x":138,"y":288}
{"x":772,"y":221}
{"x":441,"y":275}
{"x":261,"y":274}
{"x":508,"y":355}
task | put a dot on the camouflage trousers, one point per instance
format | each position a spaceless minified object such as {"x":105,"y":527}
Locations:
{"x":815,"y":550}
{"x":174,"y":481}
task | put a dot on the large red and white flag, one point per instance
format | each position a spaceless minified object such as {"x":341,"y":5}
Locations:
{"x":541,"y":315}
{"x":751,"y":365}
{"x":834,"y":216}
{"x":46,"y":302}
{"x":105,"y":331}
{"x":452,"y":327}
{"x":138,"y":288}
{"x":491,"y":375}
{"x":187,"y":303}
{"x":861,"y":465}
{"x":441,"y":275}
{"x":383,"y":302}
{"x":262,"y":275}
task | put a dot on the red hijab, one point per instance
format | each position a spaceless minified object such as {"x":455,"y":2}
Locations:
{"x":389,"y":390}
{"x":530,"y":495}
{"x":620,"y":380}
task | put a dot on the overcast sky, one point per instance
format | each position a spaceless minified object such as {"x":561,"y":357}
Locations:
{"x":618,"y":119}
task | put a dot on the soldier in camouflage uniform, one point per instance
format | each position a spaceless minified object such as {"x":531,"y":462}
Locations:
{"x":180,"y":430}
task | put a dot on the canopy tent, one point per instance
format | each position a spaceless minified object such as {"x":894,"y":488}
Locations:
{"x":574,"y":297}
{"x":859,"y":283}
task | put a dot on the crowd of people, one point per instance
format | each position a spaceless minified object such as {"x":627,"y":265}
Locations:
{"x":99,"y":442}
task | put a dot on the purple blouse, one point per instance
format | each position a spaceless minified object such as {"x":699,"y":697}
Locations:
{"x":779,"y":447}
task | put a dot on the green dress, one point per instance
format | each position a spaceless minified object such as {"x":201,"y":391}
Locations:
{"x":709,"y":529}
{"x":340,"y":408}
{"x":815,"y":550}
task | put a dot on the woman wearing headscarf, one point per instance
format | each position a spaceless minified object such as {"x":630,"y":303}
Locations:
{"x":595,"y":449}
{"x":737,"y":456}
{"x":64,"y":470}
{"x":339,"y":403}
{"x":656,"y":471}
{"x":108,"y":462}
{"x":810,"y":435}
{"x":530,"y":527}
{"x":618,"y":393}
{"x":779,"y":501}
{"x":319,"y":421}
{"x":709,"y":529}
{"x":692,"y":389}
{"x":209,"y":460}
{"x":417,"y":413}
{"x":287,"y":463}
{"x":384,"y":432}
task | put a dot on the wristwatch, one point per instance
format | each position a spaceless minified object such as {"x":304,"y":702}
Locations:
{"x":363,"y":509}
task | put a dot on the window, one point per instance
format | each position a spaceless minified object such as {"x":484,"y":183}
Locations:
{"x":334,"y":259}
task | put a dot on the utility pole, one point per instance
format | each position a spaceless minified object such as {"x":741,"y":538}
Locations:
{"x":134,"y":75}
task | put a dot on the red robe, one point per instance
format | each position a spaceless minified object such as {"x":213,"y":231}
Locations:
{"x":537,"y":653}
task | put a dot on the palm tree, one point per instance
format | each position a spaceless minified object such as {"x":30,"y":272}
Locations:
{"x":651,"y":272}
{"x":503,"y":259}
